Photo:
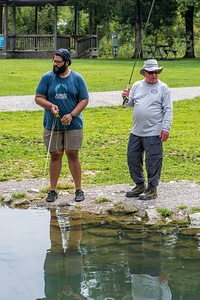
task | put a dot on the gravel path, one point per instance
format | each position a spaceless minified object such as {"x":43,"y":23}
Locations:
{"x":171,"y":194}
{"x":96,"y":99}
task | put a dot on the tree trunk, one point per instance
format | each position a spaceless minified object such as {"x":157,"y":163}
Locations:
{"x":189,"y":33}
{"x":138,"y":38}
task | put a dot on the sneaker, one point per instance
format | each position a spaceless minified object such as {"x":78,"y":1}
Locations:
{"x":136,"y":191}
{"x":149,"y":194}
{"x":52,"y":196}
{"x":79,"y":196}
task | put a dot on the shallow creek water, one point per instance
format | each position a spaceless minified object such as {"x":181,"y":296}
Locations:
{"x":57,"y":255}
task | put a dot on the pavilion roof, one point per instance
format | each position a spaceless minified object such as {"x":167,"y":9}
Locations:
{"x":33,"y":2}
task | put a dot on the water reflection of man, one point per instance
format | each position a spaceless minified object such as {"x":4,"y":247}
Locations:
{"x":148,"y":281}
{"x":63,"y":269}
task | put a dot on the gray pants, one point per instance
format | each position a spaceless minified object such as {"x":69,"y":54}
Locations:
{"x":152,"y":148}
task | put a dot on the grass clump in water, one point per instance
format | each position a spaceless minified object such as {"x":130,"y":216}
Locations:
{"x":164,"y":212}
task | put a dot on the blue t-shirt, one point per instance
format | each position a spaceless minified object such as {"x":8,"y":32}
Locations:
{"x":66,"y":94}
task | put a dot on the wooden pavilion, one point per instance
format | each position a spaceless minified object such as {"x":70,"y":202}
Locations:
{"x":13,"y":45}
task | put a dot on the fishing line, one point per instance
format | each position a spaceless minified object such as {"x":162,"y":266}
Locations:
{"x":19,"y":276}
{"x":139,"y":50}
{"x":55,"y":121}
{"x":50,"y":140}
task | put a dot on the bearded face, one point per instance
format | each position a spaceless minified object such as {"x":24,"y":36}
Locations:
{"x":59,"y":69}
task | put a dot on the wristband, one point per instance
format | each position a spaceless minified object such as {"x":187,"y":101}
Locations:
{"x":73,"y":116}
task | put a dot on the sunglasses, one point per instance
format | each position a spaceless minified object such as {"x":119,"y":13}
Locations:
{"x":151,"y":72}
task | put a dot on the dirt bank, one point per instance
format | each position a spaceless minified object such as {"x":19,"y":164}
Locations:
{"x":171,"y":195}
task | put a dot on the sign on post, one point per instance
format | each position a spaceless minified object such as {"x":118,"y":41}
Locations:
{"x":115,"y":45}
{"x":1,"y":41}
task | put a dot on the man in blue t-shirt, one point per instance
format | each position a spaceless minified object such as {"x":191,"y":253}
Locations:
{"x":63,"y":94}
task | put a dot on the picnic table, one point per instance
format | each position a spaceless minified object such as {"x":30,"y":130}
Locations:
{"x":158,"y":51}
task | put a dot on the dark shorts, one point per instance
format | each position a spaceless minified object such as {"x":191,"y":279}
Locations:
{"x":59,"y":140}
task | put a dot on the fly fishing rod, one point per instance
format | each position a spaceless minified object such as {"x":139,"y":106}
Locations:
{"x":139,"y":48}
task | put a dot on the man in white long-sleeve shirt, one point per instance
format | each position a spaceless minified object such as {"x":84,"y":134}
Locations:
{"x":145,"y":264}
{"x":152,"y":119}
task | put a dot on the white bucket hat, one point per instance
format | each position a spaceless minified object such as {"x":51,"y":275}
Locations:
{"x":151,"y":65}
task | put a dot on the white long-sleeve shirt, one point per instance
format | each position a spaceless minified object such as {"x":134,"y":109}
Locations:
{"x":147,"y":287}
{"x":153,"y":110}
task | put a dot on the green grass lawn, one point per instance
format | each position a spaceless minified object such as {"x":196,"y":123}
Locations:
{"x":22,"y":153}
{"x":21,"y":76}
